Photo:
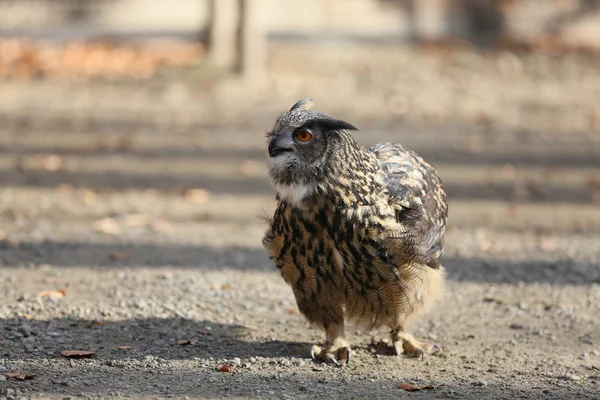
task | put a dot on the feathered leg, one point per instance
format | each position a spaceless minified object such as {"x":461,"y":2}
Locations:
{"x":420,"y":295}
{"x":336,"y":347}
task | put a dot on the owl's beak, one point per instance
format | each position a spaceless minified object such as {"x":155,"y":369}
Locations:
{"x":276,"y":148}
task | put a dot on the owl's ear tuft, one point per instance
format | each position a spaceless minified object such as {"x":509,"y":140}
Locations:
{"x":331,"y":124}
{"x":304,"y":104}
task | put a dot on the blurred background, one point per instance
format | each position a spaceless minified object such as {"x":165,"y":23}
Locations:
{"x":133,"y":172}
{"x":133,"y":121}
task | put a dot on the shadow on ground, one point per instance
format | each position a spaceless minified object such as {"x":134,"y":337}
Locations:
{"x":543,"y":192}
{"x":476,"y":269}
{"x":152,"y":336}
{"x":156,"y":365}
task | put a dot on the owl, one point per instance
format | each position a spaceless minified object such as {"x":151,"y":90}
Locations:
{"x":357,"y":232}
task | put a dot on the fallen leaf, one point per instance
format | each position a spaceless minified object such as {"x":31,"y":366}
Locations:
{"x":409,"y":387}
{"x":64,"y":189}
{"x":160,"y":226}
{"x":52,"y":162}
{"x":548,"y":244}
{"x":124,"y":347}
{"x":222,"y":286}
{"x":184,"y":342}
{"x":508,"y":172}
{"x":120,"y":256}
{"x":135,"y":220}
{"x":108,"y":226}
{"x":77,"y":353}
{"x":52,"y":294}
{"x":226,"y":368}
{"x":88,"y":197}
{"x":593,"y":182}
{"x":196,"y":195}
{"x":95,"y":323}
{"x":19,"y":375}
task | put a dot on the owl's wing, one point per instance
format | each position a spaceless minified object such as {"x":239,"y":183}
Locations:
{"x":417,"y":195}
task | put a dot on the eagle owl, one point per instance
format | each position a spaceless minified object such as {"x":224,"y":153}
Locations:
{"x":357,"y":232}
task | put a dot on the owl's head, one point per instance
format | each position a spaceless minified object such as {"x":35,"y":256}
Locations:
{"x":302,"y":145}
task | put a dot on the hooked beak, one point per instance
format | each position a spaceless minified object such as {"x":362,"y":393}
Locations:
{"x":275,"y":149}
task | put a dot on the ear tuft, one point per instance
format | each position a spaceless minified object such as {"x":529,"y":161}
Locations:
{"x":335,"y":125}
{"x":304,"y":104}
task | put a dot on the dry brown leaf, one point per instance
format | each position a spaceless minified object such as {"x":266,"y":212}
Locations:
{"x":53,"y":162}
{"x":64,"y":188}
{"x":548,"y":244}
{"x":184,"y":342}
{"x":21,"y":376}
{"x":88,"y":197}
{"x":222,"y":286}
{"x":409,"y":387}
{"x":160,"y":226}
{"x":52,"y":294}
{"x":196,"y":195}
{"x":77,"y":353}
{"x":120,"y":256}
{"x":226,"y":368}
{"x":135,"y":220}
{"x":124,"y":347}
{"x":95,"y":323}
{"x":108,"y":226}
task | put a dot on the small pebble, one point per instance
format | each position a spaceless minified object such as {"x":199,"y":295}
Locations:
{"x":25,"y":330}
{"x":569,"y":377}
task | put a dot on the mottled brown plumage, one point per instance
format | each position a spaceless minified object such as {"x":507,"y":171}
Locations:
{"x":357,"y":232}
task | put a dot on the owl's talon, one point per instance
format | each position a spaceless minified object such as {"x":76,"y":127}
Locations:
{"x":330,"y":358}
{"x":315,"y":352}
{"x":348,"y":354}
{"x":398,"y":349}
{"x":405,"y":343}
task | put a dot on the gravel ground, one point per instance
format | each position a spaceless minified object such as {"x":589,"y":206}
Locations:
{"x":133,"y":206}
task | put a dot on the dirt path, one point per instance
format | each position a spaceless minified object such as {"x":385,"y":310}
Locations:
{"x":94,"y":203}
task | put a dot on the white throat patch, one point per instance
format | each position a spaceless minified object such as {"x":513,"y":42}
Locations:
{"x":294,"y":194}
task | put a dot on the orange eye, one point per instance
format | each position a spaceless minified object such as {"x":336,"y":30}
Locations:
{"x":303,"y":135}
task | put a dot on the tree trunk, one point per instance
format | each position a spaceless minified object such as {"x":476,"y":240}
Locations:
{"x":253,"y":44}
{"x":223,"y":31}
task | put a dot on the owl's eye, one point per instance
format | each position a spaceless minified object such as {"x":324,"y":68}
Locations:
{"x":303,"y":135}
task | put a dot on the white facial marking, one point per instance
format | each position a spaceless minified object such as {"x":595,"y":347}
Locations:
{"x":281,"y":161}
{"x":295,"y":193}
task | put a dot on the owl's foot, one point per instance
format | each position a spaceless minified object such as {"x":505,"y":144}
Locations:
{"x":337,"y":353}
{"x":405,"y":343}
